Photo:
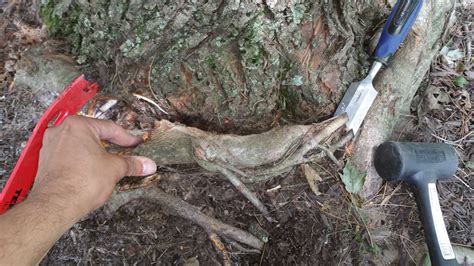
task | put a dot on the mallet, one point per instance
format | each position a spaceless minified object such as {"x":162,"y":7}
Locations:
{"x":421,"y":164}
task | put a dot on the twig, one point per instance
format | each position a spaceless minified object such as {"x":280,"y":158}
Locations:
{"x":162,"y":253}
{"x":240,"y":247}
{"x":387,"y":199}
{"x":342,"y":142}
{"x":361,"y":219}
{"x":242,"y":188}
{"x":464,"y":183}
{"x":468,"y":42}
{"x":464,"y":137}
{"x":149,"y":77}
{"x":329,"y":154}
{"x":461,"y":245}
{"x":181,"y":208}
{"x":274,"y":188}
{"x":141,"y":97}
{"x":261,"y":257}
{"x":405,"y":247}
{"x":453,"y":142}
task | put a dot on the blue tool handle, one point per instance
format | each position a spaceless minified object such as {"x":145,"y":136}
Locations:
{"x":396,"y":28}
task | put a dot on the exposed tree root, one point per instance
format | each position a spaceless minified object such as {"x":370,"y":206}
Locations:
{"x":185,"y":210}
{"x":178,"y":207}
{"x":242,"y":188}
{"x":250,"y":158}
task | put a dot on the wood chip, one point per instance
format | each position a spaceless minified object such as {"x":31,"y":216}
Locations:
{"x":312,"y":177}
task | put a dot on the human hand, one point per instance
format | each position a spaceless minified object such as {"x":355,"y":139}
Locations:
{"x":76,"y":175}
{"x":75,"y":168}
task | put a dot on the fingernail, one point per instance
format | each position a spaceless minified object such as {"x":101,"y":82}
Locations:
{"x":148,"y":166}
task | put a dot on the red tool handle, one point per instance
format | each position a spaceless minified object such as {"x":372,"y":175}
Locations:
{"x":78,"y":93}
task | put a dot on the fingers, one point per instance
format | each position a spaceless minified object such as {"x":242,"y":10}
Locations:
{"x":137,"y":166}
{"x":108,"y":130}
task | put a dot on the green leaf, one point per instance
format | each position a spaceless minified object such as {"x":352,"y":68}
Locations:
{"x":460,"y":81}
{"x":352,"y":178}
{"x":455,"y":54}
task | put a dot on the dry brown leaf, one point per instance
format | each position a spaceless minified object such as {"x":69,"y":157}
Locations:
{"x":312,"y":177}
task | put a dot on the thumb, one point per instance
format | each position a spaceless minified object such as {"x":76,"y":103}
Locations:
{"x":138,"y":166}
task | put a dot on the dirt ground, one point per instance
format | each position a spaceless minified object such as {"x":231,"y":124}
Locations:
{"x":328,"y":229}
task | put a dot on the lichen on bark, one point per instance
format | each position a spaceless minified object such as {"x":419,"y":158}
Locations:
{"x":233,"y":63}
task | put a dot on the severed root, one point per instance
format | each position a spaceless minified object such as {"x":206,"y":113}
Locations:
{"x":277,"y":149}
{"x":128,"y":184}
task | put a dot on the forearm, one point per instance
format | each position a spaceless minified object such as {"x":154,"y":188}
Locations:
{"x":31,"y":228}
{"x":75,"y":176}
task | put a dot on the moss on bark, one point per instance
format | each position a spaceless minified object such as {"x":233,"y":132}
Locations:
{"x":232,"y":62}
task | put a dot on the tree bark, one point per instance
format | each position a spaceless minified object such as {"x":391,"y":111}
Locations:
{"x":244,"y":66}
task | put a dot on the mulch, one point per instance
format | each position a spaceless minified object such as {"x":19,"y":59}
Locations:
{"x":310,"y":228}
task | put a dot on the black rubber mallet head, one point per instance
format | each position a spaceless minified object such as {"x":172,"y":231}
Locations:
{"x":421,"y":164}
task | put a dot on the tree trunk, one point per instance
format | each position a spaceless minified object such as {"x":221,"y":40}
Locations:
{"x":247,"y":66}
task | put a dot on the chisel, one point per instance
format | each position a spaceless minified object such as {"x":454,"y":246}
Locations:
{"x":360,"y":95}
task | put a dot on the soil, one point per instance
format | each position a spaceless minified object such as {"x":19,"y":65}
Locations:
{"x":305,"y":232}
{"x":332,"y":228}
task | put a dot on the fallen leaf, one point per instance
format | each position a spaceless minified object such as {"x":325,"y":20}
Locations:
{"x":455,"y":54}
{"x":469,"y":164}
{"x":312,"y":177}
{"x":450,"y":56}
{"x":460,"y":81}
{"x":352,"y":178}
{"x":433,"y":99}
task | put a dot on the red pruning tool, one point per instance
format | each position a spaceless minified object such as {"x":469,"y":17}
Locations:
{"x":71,"y":101}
